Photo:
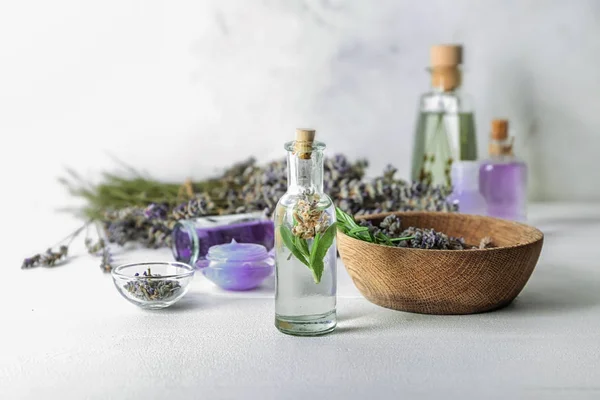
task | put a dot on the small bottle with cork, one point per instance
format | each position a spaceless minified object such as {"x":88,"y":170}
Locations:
{"x":305,"y":250}
{"x":503,"y":177}
{"x":445,"y":130}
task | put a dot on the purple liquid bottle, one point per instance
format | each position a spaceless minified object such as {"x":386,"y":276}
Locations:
{"x":503,"y":178}
{"x":193,"y":238}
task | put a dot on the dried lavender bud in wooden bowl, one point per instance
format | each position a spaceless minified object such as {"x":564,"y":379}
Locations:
{"x":433,"y":281}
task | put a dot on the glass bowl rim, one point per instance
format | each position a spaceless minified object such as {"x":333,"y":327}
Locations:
{"x":189,"y":269}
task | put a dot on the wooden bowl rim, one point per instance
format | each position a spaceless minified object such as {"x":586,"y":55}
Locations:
{"x":539,"y":234}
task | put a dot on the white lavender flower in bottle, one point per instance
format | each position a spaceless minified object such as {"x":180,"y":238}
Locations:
{"x":305,"y":293}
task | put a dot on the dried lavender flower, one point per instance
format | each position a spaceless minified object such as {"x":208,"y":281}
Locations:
{"x":422,"y":238}
{"x":32,"y":261}
{"x":485,"y":243}
{"x":310,"y":219}
{"x":194,"y":208}
{"x":391,"y":226}
{"x":52,"y":257}
{"x":94,"y":247}
{"x":148,"y":289}
{"x":106,"y":262}
{"x":456,"y":243}
{"x":373,"y":229}
{"x":156,"y":211}
{"x":429,"y":239}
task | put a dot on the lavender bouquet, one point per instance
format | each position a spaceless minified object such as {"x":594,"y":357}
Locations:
{"x":142,"y":210}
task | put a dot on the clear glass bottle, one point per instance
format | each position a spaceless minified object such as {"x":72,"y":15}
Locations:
{"x":305,"y":248}
{"x":503,"y":177}
{"x":445,"y":129}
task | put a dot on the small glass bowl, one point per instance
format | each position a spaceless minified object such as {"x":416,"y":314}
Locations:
{"x":153,"y":285}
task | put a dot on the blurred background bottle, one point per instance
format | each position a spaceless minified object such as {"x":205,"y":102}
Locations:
{"x":445,"y":129}
{"x":465,"y":188}
{"x":503,"y":177}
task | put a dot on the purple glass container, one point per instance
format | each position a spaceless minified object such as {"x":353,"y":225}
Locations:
{"x":238,"y":266}
{"x":192,"y":239}
{"x":503,"y":178}
{"x":465,"y":188}
{"x":503,"y":183}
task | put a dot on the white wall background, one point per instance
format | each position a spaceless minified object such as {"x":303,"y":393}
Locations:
{"x":181,"y":88}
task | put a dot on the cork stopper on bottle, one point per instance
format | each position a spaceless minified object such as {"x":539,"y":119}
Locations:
{"x":445,"y":55}
{"x":444,"y":60}
{"x":304,"y":142}
{"x":500,"y":144}
{"x":499,"y":129}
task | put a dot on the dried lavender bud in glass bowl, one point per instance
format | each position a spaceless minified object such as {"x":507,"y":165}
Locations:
{"x":153,"y":285}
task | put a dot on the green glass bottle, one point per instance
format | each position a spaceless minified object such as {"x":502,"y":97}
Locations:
{"x":445,"y":129}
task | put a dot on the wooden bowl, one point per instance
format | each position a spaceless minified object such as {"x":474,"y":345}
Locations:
{"x":445,"y":281}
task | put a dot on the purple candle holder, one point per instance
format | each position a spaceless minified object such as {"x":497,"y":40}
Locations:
{"x":238,"y":266}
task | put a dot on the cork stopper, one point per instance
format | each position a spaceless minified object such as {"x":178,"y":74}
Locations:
{"x":304,"y":142}
{"x":500,"y":144}
{"x":499,"y":129}
{"x":444,"y":60}
{"x":445,"y":55}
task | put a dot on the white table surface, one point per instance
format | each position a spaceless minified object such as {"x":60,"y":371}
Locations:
{"x":66,"y":333}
